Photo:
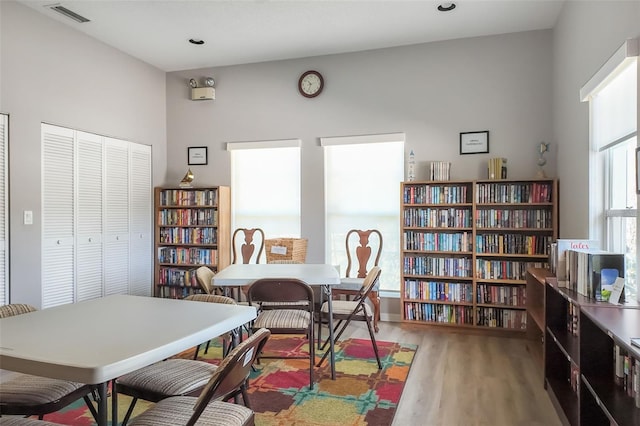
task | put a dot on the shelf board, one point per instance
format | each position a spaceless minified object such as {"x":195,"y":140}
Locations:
{"x":501,"y":282}
{"x":439,"y":252}
{"x":438,"y":302}
{"x":613,"y":400}
{"x":502,"y":329}
{"x":514,"y":204}
{"x":530,"y":256}
{"x":187,"y":226}
{"x":212,"y":246}
{"x":435,"y":277}
{"x":492,"y":305}
{"x":438,"y":228}
{"x":438,"y":205}
{"x":187,"y":265}
{"x":194,"y":206}
{"x":503,"y":229}
{"x":566,"y":342}
{"x":563,"y":395}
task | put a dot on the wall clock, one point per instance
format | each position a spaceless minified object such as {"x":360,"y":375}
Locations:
{"x":310,"y":84}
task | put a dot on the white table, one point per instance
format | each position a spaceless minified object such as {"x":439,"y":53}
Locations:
{"x":313,"y":274}
{"x":99,"y":340}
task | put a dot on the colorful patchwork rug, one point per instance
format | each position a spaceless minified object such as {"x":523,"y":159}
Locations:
{"x":279,"y":388}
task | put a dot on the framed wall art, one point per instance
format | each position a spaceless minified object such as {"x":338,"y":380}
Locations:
{"x":197,"y":155}
{"x":474,"y":142}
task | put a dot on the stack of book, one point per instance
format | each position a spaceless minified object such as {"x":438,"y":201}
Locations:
{"x":440,"y":170}
{"x":590,"y":270}
{"x":497,"y":168}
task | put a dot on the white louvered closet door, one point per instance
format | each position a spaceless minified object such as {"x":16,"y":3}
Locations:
{"x":57,"y":216}
{"x":4,"y":208}
{"x":89,"y":251}
{"x":140,"y":214}
{"x":116,"y":225}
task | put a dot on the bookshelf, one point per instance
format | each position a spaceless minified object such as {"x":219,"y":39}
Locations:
{"x":192,"y":229}
{"x":467,"y":246}
{"x":580,"y":367}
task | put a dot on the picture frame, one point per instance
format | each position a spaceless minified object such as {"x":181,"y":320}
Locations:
{"x":638,"y":170}
{"x":197,"y":155}
{"x":474,"y":142}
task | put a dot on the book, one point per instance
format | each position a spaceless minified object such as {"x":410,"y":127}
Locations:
{"x":590,"y":269}
{"x":561,"y":261}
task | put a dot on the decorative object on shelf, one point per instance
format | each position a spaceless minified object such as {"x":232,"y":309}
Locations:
{"x":440,"y":171}
{"x":187,"y":180}
{"x":202,"y":93}
{"x":310,"y":84}
{"x":474,"y":142}
{"x":542,"y":148}
{"x":411,"y":167}
{"x":497,"y":168}
{"x":197,"y":155}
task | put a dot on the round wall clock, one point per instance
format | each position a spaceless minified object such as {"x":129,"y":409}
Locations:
{"x":310,"y":84}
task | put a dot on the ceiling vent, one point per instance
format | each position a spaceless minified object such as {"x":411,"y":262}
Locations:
{"x":68,"y":13}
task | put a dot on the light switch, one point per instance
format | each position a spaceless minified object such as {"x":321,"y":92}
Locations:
{"x":28,"y":217}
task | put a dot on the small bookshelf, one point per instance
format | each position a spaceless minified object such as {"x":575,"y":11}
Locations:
{"x":192,"y":229}
{"x":467,"y":246}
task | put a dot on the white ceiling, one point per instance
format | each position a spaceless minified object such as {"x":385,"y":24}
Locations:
{"x":245,"y":31}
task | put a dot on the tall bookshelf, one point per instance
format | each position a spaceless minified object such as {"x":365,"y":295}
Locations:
{"x":467,"y":246}
{"x":192,"y":229}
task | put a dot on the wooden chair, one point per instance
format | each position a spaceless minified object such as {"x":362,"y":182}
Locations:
{"x":296,"y":317}
{"x":28,"y":395}
{"x":210,"y":407}
{"x":363,"y":252}
{"x":247,"y":246}
{"x":346,"y":311}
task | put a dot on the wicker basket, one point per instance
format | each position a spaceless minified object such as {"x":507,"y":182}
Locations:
{"x":286,"y":249}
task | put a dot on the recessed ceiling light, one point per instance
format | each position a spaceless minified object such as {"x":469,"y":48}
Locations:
{"x":446,"y":7}
{"x":196,"y":41}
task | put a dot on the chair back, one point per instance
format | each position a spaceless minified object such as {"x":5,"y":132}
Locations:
{"x":204,"y":275}
{"x":232,"y":373}
{"x":280,"y":290}
{"x":15,"y":309}
{"x":370,"y":282}
{"x":360,"y":247}
{"x":211,"y":298}
{"x":243,"y":242}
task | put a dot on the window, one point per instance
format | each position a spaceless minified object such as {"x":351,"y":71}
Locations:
{"x":613,"y":101}
{"x":362,"y":191}
{"x":265,"y":186}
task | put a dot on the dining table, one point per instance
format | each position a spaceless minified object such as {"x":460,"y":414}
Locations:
{"x":323,"y":275}
{"x":98,"y":340}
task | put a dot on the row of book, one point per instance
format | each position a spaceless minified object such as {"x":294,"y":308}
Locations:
{"x":438,"y":266}
{"x":437,"y":290}
{"x":177,"y":277}
{"x":190,"y":197}
{"x":188,"y":236}
{"x":504,"y":269}
{"x":592,"y":271}
{"x":175,"y":292}
{"x":449,"y":314}
{"x":191,"y":255}
{"x":573,"y":313}
{"x":187,"y":217}
{"x":513,"y":244}
{"x":438,"y":217}
{"x":533,"y":192}
{"x":435,"y":194}
{"x":440,"y":170}
{"x":502,"y":318}
{"x":627,"y":373}
{"x":507,"y":218}
{"x":497,"y":168}
{"x":501,"y":295}
{"x":437,"y":241}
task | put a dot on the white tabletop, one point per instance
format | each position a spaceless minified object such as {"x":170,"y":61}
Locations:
{"x":98,"y":340}
{"x":243,"y":274}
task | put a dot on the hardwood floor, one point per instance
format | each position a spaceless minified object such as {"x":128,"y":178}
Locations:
{"x":467,"y":379}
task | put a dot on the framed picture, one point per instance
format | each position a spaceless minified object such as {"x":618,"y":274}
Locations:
{"x":197,"y":155}
{"x":474,"y":142}
{"x":638,"y":170}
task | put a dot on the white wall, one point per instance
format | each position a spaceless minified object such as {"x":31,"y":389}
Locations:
{"x":432,"y":92}
{"x":586,"y":35}
{"x":52,"y":73}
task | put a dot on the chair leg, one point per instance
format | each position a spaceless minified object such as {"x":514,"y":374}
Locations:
{"x":336,"y":337}
{"x":373,"y":341}
{"x":195,"y":356}
{"x":206,"y":349}
{"x":129,"y":412}
{"x":245,"y":395}
{"x":91,"y":408}
{"x":375,"y":301}
{"x":312,"y":357}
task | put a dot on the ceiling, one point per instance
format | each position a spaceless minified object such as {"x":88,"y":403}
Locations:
{"x":246,"y":31}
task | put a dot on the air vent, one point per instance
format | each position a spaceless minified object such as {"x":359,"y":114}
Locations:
{"x":69,"y":13}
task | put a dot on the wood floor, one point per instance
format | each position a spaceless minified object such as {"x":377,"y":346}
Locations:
{"x":467,"y":379}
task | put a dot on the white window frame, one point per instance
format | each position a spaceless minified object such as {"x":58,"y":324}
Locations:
{"x":4,"y":209}
{"x":601,"y":215}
